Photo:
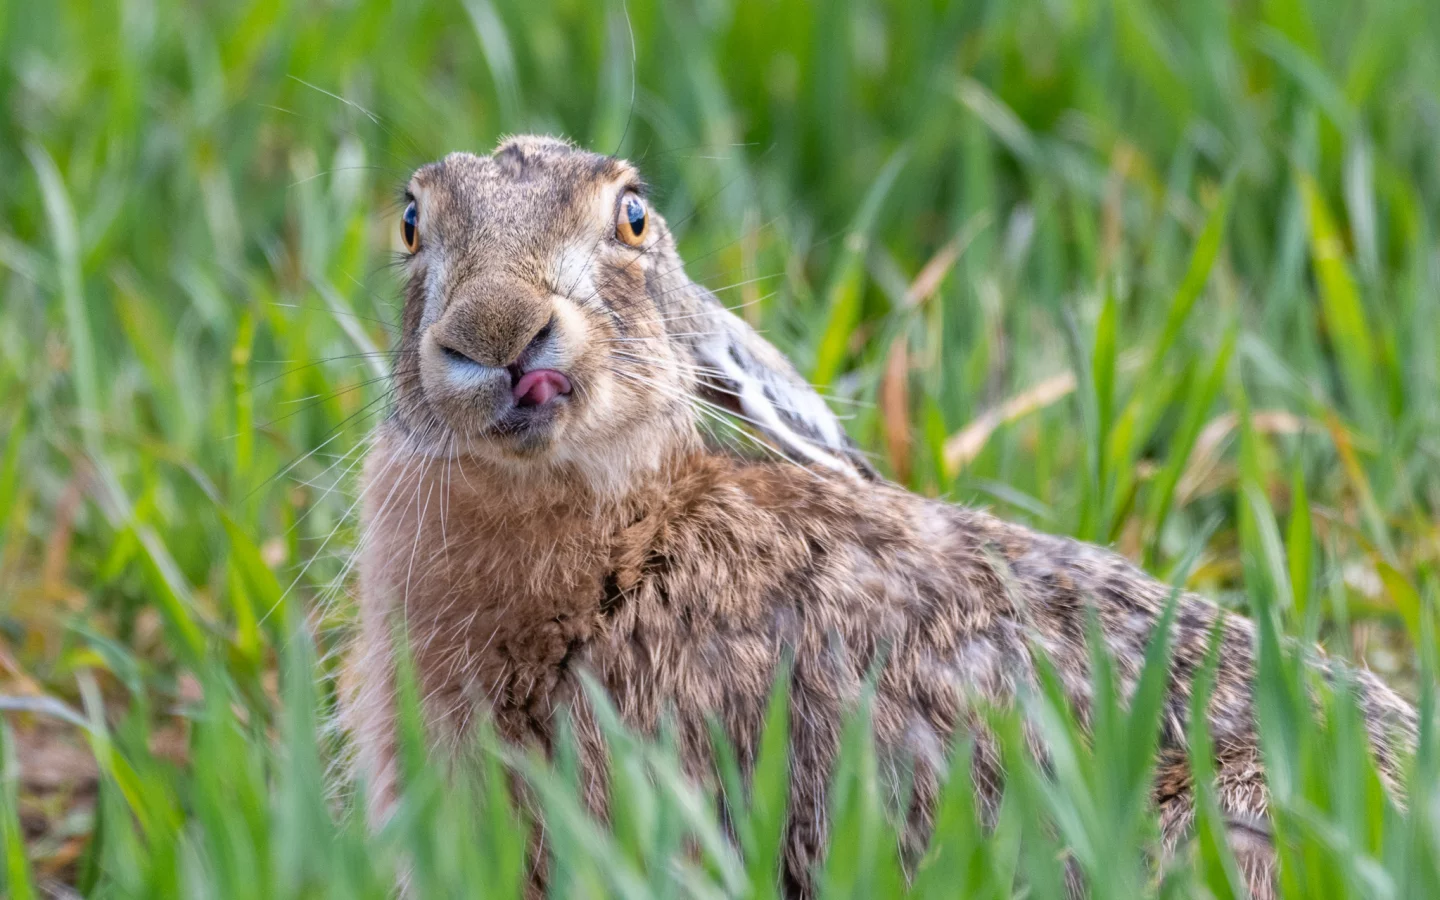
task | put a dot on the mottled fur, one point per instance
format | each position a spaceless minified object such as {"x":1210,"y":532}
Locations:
{"x":610,"y":539}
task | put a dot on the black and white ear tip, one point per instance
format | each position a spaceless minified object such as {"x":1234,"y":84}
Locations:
{"x":747,"y":375}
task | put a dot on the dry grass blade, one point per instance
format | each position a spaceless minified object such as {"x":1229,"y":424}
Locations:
{"x":895,"y":407}
{"x":966,"y":444}
{"x":1208,"y":445}
{"x":928,"y":281}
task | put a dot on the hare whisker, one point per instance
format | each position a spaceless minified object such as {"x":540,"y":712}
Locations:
{"x":334,"y":433}
{"x":706,"y":313}
{"x":679,"y":365}
{"x":718,"y":373}
{"x":646,"y":340}
{"x":311,"y":561}
{"x":391,"y":326}
{"x":715,"y":413}
{"x":363,"y":383}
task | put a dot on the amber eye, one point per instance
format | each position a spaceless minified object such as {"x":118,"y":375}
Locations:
{"x":630,"y":219}
{"x":410,"y":228}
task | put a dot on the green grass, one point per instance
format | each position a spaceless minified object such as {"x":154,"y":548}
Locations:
{"x":1160,"y":275}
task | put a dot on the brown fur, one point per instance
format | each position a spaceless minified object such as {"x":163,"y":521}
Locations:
{"x":610,"y":539}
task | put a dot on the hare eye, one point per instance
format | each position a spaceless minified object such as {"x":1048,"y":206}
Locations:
{"x":410,"y":228}
{"x":630,"y":220}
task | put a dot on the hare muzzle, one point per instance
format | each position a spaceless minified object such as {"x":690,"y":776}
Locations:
{"x":494,"y":365}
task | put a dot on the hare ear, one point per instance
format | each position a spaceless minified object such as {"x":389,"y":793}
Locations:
{"x":744,"y":373}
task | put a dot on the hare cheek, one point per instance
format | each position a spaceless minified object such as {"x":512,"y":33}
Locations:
{"x":434,"y":294}
{"x":577,"y":354}
{"x":573,"y":271}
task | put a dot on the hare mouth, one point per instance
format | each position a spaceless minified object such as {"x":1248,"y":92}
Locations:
{"x":527,"y":429}
{"x":538,"y":395}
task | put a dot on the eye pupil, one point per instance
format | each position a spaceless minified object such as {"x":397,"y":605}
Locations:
{"x":635,"y":213}
{"x":410,"y":227}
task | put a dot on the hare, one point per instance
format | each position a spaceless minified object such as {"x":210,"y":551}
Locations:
{"x":542,"y":501}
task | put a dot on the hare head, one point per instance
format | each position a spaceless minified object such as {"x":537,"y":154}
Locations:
{"x":549,"y":323}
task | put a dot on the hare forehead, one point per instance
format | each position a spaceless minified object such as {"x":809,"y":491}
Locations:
{"x":551,"y":230}
{"x":549,"y":188}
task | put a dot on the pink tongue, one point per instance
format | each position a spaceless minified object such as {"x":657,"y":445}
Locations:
{"x":540,"y":387}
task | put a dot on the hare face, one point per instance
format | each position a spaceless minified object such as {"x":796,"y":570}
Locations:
{"x":534,"y":323}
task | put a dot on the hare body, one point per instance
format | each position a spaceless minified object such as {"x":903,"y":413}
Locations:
{"x":682,"y":600}
{"x":517,"y":545}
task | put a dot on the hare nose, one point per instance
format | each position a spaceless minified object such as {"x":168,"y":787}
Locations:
{"x":465,"y":372}
{"x":462,"y":361}
{"x":465,"y":369}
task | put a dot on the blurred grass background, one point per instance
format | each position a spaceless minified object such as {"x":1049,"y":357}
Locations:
{"x":1157,"y":274}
